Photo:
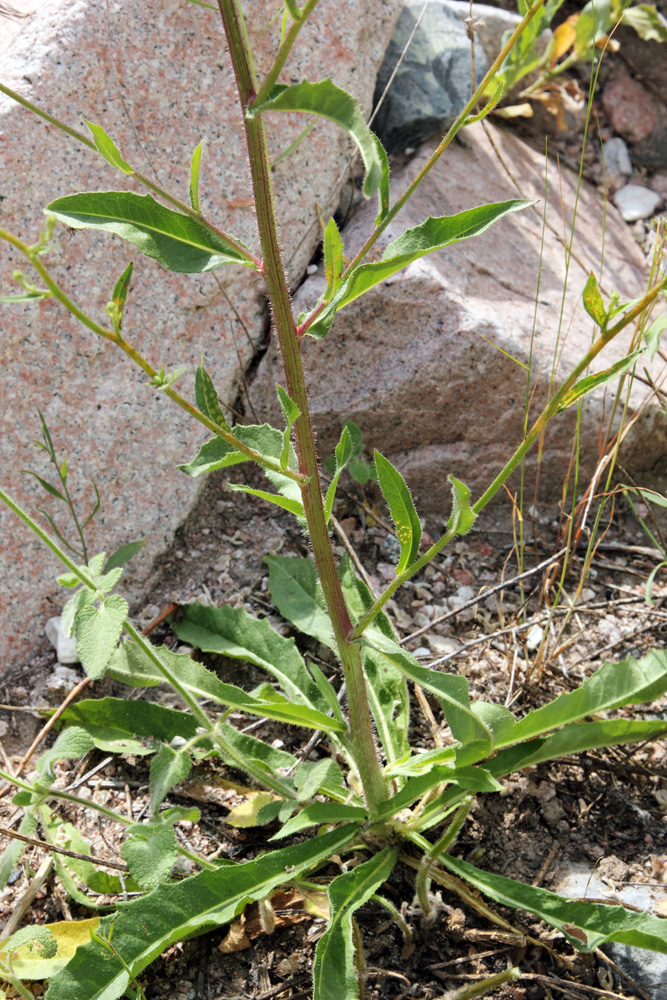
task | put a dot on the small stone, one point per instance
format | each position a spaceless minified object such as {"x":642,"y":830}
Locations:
{"x":635,"y":202}
{"x":442,"y":644}
{"x":64,"y":646}
{"x":616,"y":157}
{"x":534,"y":637}
{"x":312,"y":269}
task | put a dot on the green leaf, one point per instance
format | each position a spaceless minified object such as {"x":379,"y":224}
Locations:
{"x":70,"y":745}
{"x":333,"y":259}
{"x":176,"y":241}
{"x":108,"y":148}
{"x":297,"y":594}
{"x":97,"y":631}
{"x":334,"y":975}
{"x":168,"y":768}
{"x":450,"y":689}
{"x":647,"y":22}
{"x":342,"y":456}
{"x":474,"y":779}
{"x":217,"y":454}
{"x":75,"y":871}
{"x":119,"y":718}
{"x":433,"y":234}
{"x":150,"y":853}
{"x":591,"y":382}
{"x":402,"y":510}
{"x":123,"y":555}
{"x":233,"y":632}
{"x":585,"y":925}
{"x":132,"y":666}
{"x":122,"y":286}
{"x":629,"y":682}
{"x":194,"y":177}
{"x":142,"y":930}
{"x":207,"y":399}
{"x":593,"y":23}
{"x":44,"y":484}
{"x":291,"y":412}
{"x":575,"y":738}
{"x":25,"y":297}
{"x":327,"y":100}
{"x":320,"y":813}
{"x":593,"y":302}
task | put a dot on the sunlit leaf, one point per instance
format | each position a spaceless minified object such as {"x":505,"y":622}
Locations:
{"x":142,"y":930}
{"x":176,"y":241}
{"x":402,"y":510}
{"x":589,"y":383}
{"x":433,"y":234}
{"x":108,"y":148}
{"x":324,"y":98}
{"x":97,"y":631}
{"x":194,"y":176}
{"x":585,"y":925}
{"x":334,"y":975}
{"x":150,"y":853}
{"x":593,"y":301}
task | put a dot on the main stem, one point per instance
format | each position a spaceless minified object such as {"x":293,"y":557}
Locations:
{"x":362,"y":743}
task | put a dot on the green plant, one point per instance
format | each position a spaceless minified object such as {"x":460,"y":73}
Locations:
{"x":379,"y":797}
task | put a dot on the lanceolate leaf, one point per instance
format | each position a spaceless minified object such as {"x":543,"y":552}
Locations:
{"x":194,"y":176}
{"x":168,"y":768}
{"x":592,"y":382}
{"x":320,"y":813}
{"x":143,"y":929}
{"x":207,"y":400}
{"x":585,"y":925}
{"x":576,"y":738}
{"x":108,"y":148}
{"x":434,"y":234}
{"x":462,"y":515}
{"x":402,"y":510}
{"x":334,"y":975}
{"x":324,"y":98}
{"x":235,"y":633}
{"x":476,"y":779}
{"x":217,"y":454}
{"x":286,"y":503}
{"x":119,"y":718}
{"x":131,"y":666}
{"x":176,"y":241}
{"x":333,"y":259}
{"x":629,"y":682}
{"x":387,"y":689}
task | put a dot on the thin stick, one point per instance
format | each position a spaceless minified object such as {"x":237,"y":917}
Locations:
{"x":61,"y":850}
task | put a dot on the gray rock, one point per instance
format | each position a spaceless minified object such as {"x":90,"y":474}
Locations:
{"x":647,"y":968}
{"x":432,"y":83}
{"x":157,"y":77}
{"x":616,"y":157}
{"x":635,"y":202}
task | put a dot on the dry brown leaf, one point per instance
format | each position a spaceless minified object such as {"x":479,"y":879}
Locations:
{"x":236,"y":938}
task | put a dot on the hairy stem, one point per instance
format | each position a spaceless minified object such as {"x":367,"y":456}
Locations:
{"x":361,"y":737}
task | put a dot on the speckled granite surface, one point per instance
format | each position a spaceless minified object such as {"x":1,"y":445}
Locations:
{"x":157,"y":77}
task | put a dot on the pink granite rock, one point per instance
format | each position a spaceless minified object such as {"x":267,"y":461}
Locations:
{"x":157,"y":77}
{"x":430,"y":363}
